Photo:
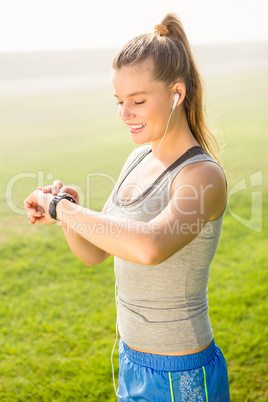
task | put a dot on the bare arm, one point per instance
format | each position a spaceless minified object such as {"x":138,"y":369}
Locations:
{"x":81,"y":247}
{"x":198,"y":194}
{"x":37,"y":205}
{"x":86,"y":251}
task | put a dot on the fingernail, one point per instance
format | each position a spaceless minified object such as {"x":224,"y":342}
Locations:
{"x":54,"y":191}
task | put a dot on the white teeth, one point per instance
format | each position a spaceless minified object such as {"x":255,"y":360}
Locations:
{"x":134,"y":127}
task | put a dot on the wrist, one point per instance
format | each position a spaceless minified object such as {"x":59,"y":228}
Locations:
{"x":65,"y":210}
{"x":56,"y":200}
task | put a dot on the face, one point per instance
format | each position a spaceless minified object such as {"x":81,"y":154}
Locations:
{"x":144,"y":104}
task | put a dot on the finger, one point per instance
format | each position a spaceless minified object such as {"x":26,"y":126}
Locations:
{"x":47,"y":189}
{"x":31,"y":200}
{"x":31,"y":218}
{"x":72,"y":191}
{"x":68,"y":190}
{"x":57,"y":185}
{"x":40,"y":210}
{"x":35,"y":212}
{"x":36,"y":201}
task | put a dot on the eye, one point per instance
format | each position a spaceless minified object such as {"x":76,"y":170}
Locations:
{"x":119,"y":103}
{"x":139,"y":103}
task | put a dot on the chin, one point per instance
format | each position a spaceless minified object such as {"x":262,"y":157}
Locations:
{"x":139,"y":141}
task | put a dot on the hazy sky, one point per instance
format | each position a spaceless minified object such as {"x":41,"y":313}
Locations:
{"x":82,"y":24}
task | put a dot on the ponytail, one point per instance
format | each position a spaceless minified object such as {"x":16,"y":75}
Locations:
{"x":173,"y":61}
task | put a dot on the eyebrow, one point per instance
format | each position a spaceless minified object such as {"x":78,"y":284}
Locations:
{"x":134,"y":94}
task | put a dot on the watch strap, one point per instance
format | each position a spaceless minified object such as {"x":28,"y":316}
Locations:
{"x":53,"y":204}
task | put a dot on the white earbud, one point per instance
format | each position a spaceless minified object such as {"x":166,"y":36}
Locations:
{"x":176,"y":98}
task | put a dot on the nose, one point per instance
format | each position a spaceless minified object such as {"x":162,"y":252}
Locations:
{"x":126,"y":112}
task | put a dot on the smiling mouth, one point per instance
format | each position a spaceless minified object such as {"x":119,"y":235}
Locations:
{"x":136,"y":127}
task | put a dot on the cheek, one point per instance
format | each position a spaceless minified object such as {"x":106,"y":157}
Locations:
{"x":119,"y":111}
{"x":159,"y":116}
{"x":151,"y":113}
{"x":159,"y":108}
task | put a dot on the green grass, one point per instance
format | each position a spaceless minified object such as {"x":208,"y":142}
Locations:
{"x":57,"y":316}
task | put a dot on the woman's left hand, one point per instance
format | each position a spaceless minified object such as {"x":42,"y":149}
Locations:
{"x":37,"y":205}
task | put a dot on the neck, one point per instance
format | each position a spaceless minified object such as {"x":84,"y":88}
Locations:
{"x":177,"y":140}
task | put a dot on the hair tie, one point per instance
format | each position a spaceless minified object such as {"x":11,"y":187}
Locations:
{"x":161,"y":29}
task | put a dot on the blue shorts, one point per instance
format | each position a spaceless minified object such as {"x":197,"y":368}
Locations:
{"x":149,"y":377}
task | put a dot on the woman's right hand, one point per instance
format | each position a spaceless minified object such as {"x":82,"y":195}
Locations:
{"x":58,"y":187}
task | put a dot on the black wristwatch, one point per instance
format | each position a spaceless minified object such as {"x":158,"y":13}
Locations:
{"x":52,"y":206}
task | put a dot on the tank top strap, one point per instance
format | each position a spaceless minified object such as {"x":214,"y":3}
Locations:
{"x":186,"y":158}
{"x":141,"y":153}
{"x":194,"y":154}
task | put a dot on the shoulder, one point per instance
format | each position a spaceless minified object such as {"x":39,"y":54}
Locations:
{"x":201,"y":172}
{"x":207,"y":170}
{"x":204,"y":180}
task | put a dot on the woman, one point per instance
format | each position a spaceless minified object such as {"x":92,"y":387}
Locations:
{"x":162,"y":223}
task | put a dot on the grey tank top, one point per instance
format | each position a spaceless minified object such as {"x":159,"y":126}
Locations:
{"x":164,"y":308}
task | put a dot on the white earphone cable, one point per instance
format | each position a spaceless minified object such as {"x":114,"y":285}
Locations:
{"x":116,"y":300}
{"x":157,"y":149}
{"x":115,"y":342}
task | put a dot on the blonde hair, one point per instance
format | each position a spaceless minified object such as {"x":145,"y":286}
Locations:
{"x":173,"y":61}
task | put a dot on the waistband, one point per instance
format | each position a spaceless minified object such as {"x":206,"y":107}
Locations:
{"x":170,"y":363}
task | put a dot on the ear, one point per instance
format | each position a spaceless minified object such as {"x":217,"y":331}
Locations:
{"x":180,"y":88}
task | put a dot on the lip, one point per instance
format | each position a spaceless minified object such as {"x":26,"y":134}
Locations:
{"x":136,"y":128}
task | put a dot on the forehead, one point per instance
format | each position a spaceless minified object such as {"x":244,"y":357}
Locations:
{"x":135,"y":78}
